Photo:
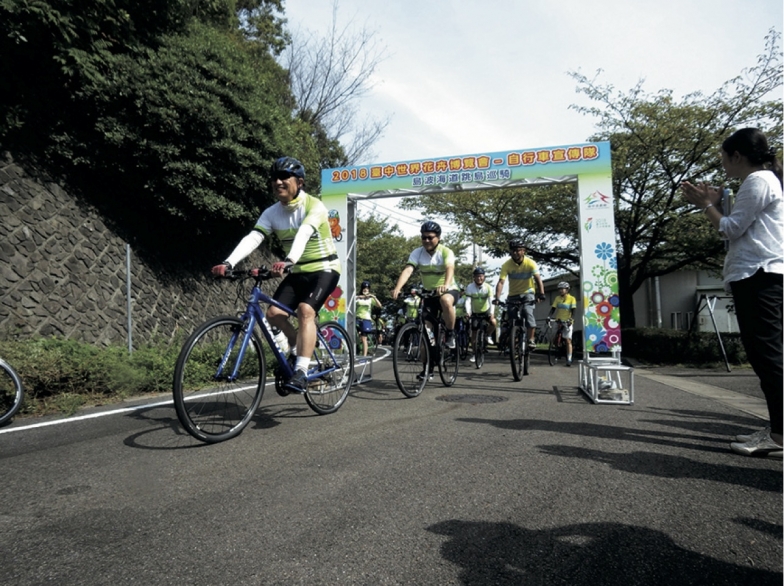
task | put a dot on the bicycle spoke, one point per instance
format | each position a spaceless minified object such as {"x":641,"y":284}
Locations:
{"x":212,"y":402}
{"x":333,"y":362}
{"x":410,"y":359}
{"x":11,"y":392}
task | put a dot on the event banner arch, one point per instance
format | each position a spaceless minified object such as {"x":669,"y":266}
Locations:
{"x":587,"y":164}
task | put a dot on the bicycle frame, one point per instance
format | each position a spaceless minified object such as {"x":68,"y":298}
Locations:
{"x":253,"y":316}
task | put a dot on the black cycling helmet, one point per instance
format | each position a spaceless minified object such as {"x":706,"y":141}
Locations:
{"x":431,"y":227}
{"x":288,"y":165}
{"x":516,"y":243}
{"x":479,"y":271}
{"x":364,"y":285}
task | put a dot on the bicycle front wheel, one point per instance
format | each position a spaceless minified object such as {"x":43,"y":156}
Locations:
{"x":448,"y":363}
{"x":217,"y":388}
{"x":480,"y":350}
{"x":411,"y":360}
{"x":517,"y":351}
{"x":11,"y":392}
{"x":333,"y":365}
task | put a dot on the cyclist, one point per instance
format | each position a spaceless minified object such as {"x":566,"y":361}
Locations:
{"x":411,"y":306}
{"x":479,"y":293}
{"x":436,"y":264}
{"x":461,"y":315}
{"x":563,"y":309}
{"x":365,"y":303}
{"x":301,"y":223}
{"x":524,"y":280}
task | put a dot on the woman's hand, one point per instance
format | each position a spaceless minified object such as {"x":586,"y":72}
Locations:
{"x":701,"y":195}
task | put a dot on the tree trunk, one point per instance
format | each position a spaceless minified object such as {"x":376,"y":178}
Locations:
{"x":627,"y":298}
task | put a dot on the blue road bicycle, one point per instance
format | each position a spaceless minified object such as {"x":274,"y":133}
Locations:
{"x":221,"y":371}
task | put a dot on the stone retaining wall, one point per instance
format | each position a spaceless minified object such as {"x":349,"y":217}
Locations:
{"x":63,"y":273}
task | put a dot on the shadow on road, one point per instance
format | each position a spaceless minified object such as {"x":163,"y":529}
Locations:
{"x":610,"y":554}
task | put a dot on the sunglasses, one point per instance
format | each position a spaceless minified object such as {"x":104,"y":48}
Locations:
{"x":282,"y":175}
{"x":429,"y":237}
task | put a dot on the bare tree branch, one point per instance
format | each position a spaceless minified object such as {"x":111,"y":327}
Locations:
{"x":329,"y":75}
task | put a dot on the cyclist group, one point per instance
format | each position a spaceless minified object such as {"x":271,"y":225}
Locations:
{"x":311,"y":270}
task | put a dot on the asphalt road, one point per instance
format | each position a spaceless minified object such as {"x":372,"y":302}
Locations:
{"x":488,"y":482}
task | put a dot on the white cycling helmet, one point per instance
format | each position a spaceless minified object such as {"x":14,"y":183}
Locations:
{"x":563,"y":285}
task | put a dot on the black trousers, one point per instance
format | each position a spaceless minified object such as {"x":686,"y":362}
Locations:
{"x":758,"y":306}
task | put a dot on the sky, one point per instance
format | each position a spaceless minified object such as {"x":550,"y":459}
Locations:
{"x":470,"y":76}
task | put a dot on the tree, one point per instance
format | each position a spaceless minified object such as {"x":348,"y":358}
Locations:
{"x":382,"y":252}
{"x":164,"y":114}
{"x":657,"y":142}
{"x":327,"y":77}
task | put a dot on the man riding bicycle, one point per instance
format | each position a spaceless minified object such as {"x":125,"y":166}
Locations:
{"x":479,"y":293}
{"x":524,"y":280}
{"x":436,"y":264}
{"x":300,"y":221}
{"x":563,"y":311}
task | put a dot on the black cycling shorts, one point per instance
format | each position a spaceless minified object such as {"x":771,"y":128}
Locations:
{"x":309,"y":288}
{"x":431,"y":306}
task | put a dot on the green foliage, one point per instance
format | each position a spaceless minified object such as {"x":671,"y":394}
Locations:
{"x":61,"y":375}
{"x":658,"y":346}
{"x":164,"y":114}
{"x":382,"y":252}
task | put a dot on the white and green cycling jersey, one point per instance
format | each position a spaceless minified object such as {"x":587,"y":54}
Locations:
{"x":364,"y":305}
{"x":319,"y":253}
{"x":479,"y":296}
{"x":432,"y":268}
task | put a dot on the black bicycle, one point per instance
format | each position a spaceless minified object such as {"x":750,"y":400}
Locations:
{"x":462,"y":337}
{"x":11,"y":392}
{"x":415,"y":344}
{"x":221,"y":371}
{"x":479,"y":329}
{"x":519,"y":352}
{"x":557,"y":347}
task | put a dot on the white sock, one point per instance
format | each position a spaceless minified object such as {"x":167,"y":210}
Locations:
{"x":302,"y":363}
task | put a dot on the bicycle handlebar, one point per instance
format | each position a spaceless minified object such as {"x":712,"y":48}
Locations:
{"x":260,"y":274}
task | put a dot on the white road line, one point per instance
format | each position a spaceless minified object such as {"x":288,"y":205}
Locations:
{"x":117,"y":411}
{"x":751,"y":405}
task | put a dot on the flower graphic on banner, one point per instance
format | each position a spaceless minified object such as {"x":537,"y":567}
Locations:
{"x":604,"y":251}
{"x":601,"y":302}
{"x":334,"y":308}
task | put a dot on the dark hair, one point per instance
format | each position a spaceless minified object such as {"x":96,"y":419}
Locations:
{"x":752,"y":144}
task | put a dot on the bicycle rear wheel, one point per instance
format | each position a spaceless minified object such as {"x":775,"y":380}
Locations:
{"x":212,"y":403}
{"x":517,"y":354}
{"x":11,"y":392}
{"x":411,"y":360}
{"x":463,"y":342}
{"x":448,"y":362}
{"x":334,"y":353}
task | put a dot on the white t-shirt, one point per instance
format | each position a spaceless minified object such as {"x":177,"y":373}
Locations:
{"x":755,"y":229}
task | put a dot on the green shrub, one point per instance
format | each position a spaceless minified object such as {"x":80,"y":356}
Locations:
{"x":62,"y":375}
{"x":660,"y":346}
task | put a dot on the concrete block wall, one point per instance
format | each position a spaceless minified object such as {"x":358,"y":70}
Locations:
{"x":63,"y":273}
